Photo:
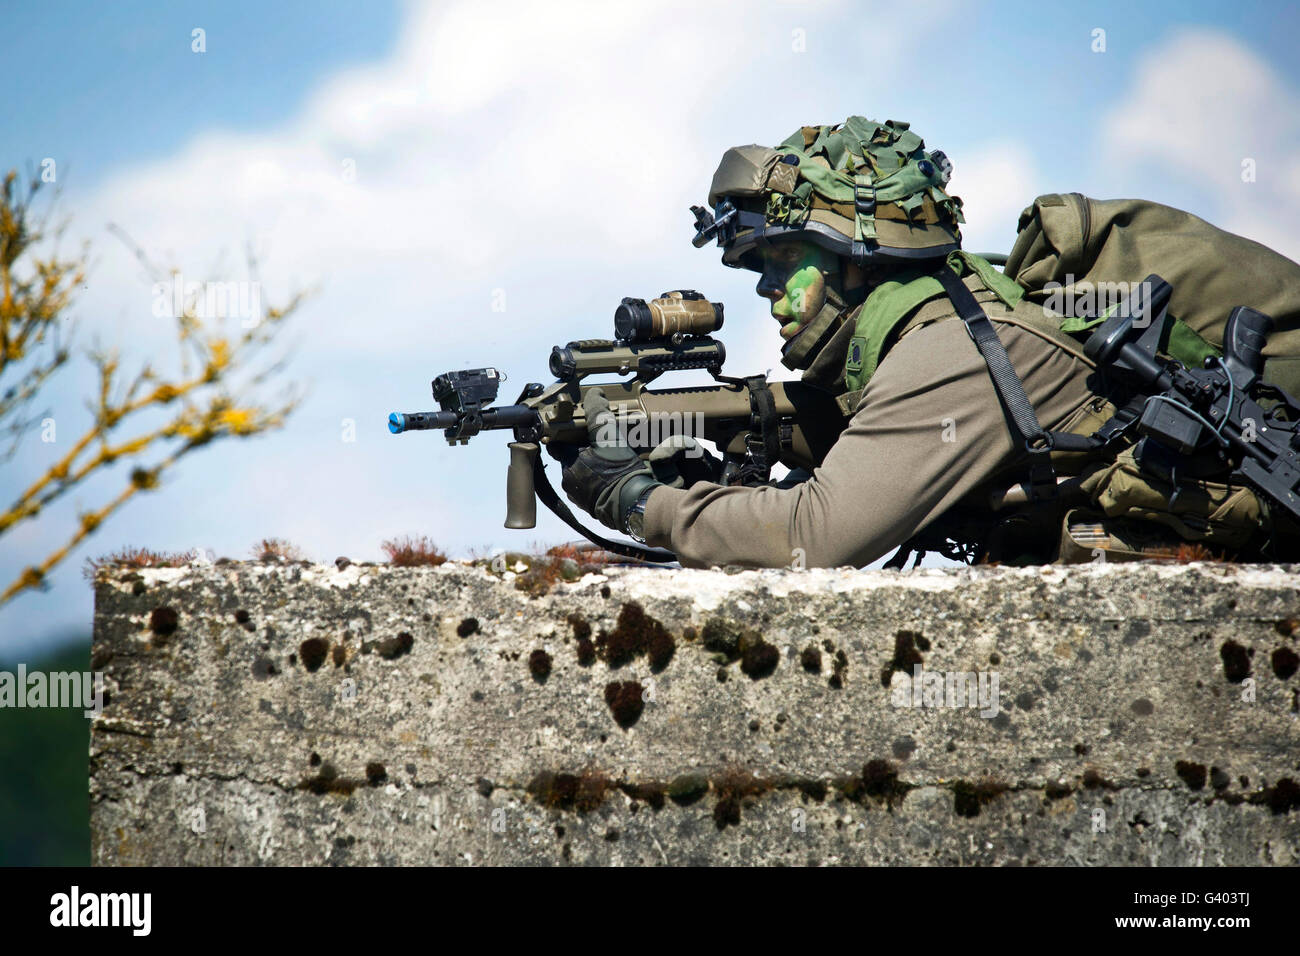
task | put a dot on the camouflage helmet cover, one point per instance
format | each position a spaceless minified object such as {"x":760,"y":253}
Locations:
{"x":866,"y":191}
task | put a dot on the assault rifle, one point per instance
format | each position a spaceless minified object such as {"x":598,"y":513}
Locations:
{"x":1219,"y":421}
{"x":753,"y":422}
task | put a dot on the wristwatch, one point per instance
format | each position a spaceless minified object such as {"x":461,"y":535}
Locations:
{"x":634,"y":522}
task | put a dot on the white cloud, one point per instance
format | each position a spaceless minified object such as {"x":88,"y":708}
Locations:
{"x":497,"y":130}
{"x":1202,"y":103}
{"x":996,"y":182}
{"x":549,"y":150}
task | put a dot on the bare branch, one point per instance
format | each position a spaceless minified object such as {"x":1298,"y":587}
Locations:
{"x":35,"y":292}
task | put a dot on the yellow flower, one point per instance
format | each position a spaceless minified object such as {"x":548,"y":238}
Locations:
{"x":239,"y":421}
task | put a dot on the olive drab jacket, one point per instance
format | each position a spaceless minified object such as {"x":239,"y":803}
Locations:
{"x":926,"y":430}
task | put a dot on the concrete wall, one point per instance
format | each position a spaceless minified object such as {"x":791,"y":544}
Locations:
{"x":295,"y":714}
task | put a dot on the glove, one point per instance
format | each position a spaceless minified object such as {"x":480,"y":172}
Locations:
{"x":681,"y":461}
{"x":606,"y":478}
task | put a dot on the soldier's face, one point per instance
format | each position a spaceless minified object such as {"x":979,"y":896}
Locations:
{"x":794,"y":279}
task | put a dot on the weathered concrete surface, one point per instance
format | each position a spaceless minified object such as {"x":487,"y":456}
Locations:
{"x":302,"y":715}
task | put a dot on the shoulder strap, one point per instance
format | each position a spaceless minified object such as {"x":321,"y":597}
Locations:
{"x":1015,"y":403}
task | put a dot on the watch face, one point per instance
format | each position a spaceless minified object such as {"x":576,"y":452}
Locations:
{"x":636,"y":524}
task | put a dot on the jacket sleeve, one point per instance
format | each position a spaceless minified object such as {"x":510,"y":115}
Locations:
{"x":928,"y":429}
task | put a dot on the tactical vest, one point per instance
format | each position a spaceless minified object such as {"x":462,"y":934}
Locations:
{"x":916,"y":298}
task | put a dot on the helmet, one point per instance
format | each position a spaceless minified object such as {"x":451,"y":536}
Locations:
{"x":868,"y":192}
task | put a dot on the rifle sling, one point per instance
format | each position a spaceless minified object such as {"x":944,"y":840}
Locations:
{"x":546,"y":492}
{"x":773,"y":434}
{"x":1015,"y":403}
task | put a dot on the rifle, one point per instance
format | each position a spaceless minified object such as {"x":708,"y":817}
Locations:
{"x":1222,"y":419}
{"x":754,"y":423}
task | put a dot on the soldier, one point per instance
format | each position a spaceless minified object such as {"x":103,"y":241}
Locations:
{"x":949,"y":378}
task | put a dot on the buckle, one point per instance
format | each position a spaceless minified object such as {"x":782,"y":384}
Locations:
{"x":1048,"y":444}
{"x":1042,"y":482}
{"x":864,"y":200}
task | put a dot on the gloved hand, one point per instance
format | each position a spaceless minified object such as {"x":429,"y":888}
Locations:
{"x":606,"y":478}
{"x":681,"y":461}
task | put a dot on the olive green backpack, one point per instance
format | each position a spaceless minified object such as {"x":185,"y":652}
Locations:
{"x":1069,"y":245}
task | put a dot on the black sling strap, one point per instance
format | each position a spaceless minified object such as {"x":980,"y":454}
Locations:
{"x":770,"y":433}
{"x":546,"y":492}
{"x":1015,"y":403}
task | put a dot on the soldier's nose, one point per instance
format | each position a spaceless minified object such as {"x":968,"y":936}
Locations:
{"x":769,"y":290}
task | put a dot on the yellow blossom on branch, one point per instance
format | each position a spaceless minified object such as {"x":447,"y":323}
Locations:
{"x":37,"y":288}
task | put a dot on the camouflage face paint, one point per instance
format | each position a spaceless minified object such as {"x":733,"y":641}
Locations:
{"x":799,"y":271}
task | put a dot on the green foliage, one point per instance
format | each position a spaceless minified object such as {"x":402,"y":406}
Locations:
{"x":44,"y":776}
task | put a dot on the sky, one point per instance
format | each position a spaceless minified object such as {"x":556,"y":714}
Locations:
{"x":461,"y":184}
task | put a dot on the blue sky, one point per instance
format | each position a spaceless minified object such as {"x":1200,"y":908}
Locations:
{"x":546,"y":153}
{"x":116,"y":83}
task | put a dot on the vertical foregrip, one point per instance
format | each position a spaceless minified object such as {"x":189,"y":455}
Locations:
{"x":521,"y":500}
